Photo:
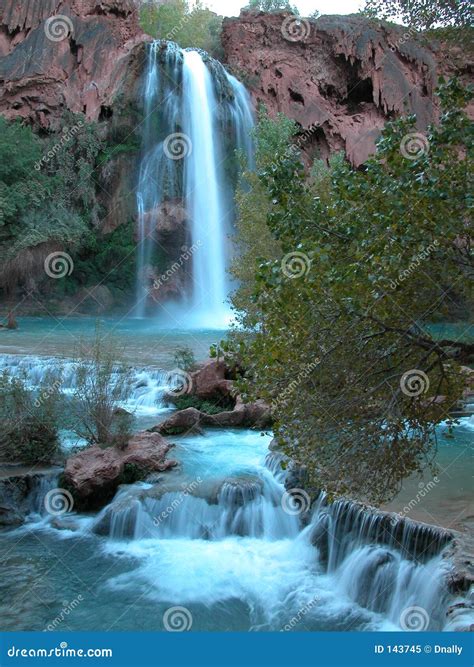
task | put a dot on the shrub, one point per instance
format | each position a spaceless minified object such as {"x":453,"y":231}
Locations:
{"x":103,"y":382}
{"x":29,"y":419}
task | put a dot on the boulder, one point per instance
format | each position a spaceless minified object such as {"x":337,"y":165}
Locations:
{"x":94,"y":474}
{"x":210,"y":381}
{"x":191,"y":420}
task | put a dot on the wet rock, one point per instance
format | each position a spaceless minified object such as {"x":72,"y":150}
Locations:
{"x":191,"y":420}
{"x":94,"y":474}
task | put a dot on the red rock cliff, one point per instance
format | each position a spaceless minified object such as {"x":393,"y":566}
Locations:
{"x":64,"y":54}
{"x":340,"y":77}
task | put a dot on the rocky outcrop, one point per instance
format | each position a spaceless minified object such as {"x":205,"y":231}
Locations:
{"x":94,"y":474}
{"x":66,"y":54}
{"x":212,"y":381}
{"x":339,"y":77}
{"x":191,"y":420}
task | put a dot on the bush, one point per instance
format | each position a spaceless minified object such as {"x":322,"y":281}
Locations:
{"x":206,"y":406}
{"x":103,"y":382}
{"x":29,"y":420}
{"x":184,"y":358}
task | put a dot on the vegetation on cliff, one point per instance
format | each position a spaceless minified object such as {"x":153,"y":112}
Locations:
{"x":341,"y":276}
{"x":188,"y":24}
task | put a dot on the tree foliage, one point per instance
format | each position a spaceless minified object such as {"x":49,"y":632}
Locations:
{"x":338,"y":312}
{"x":188,"y":24}
{"x":424,"y":14}
{"x":273,"y":6}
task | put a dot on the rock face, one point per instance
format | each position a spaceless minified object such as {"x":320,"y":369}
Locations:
{"x":65,"y":54}
{"x":94,"y":474}
{"x":340,"y":77}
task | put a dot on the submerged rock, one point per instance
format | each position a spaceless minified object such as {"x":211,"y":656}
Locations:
{"x":94,"y":474}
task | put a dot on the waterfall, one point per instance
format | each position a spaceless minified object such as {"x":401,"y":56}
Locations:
{"x":196,"y":117}
{"x":148,"y":387}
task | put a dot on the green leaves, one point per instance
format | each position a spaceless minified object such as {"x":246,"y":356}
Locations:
{"x":386,"y":257}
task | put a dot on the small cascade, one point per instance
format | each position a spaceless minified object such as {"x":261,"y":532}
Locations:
{"x":148,"y":385}
{"x":238,"y":506}
{"x":196,"y":116}
{"x":339,"y":528}
{"x":40,"y":486}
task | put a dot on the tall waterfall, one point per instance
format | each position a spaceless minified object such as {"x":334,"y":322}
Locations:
{"x":197,"y":116}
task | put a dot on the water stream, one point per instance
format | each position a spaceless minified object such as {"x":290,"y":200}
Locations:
{"x":217,"y":538}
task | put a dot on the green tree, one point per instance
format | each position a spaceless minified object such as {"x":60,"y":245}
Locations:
{"x":272,"y":6}
{"x":340,"y":343}
{"x":423,"y":14}
{"x":189,"y":25}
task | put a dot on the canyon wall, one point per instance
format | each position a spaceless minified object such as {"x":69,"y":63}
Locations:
{"x":66,"y":54}
{"x":339,"y":77}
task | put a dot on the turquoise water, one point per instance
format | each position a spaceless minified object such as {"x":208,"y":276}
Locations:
{"x":145,"y":341}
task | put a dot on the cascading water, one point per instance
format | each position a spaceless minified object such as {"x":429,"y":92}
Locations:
{"x":196,"y":117}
